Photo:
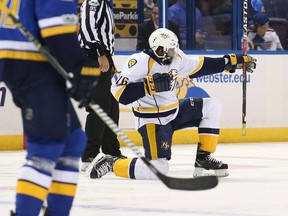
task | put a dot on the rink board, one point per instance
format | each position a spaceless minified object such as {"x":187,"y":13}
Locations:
{"x":267,"y":105}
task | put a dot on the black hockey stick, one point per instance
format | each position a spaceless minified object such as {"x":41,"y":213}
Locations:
{"x":244,"y":72}
{"x":200,"y":183}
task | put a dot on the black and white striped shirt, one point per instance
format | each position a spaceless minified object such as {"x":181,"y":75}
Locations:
{"x":96,"y":33}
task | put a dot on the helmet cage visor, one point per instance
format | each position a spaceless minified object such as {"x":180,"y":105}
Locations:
{"x":160,"y":52}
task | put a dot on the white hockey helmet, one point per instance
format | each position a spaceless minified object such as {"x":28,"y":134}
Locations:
{"x":163,"y":42}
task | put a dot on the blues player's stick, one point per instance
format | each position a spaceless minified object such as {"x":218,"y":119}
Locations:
{"x":244,"y":72}
{"x":200,"y":183}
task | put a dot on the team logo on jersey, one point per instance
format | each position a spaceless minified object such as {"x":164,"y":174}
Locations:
{"x":165,"y":145}
{"x":131,"y":63}
{"x":174,"y":74}
{"x":69,"y":19}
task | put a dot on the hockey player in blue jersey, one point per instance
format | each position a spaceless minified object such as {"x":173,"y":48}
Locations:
{"x":55,"y":140}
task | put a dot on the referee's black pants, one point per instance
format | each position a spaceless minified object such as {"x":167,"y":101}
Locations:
{"x":98,"y":134}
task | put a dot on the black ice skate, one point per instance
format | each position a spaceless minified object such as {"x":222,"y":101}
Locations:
{"x":103,"y":166}
{"x":204,"y":161}
{"x":87,"y":166}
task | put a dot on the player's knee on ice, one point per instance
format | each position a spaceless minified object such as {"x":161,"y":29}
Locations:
{"x":134,"y":168}
{"x":143,"y":172}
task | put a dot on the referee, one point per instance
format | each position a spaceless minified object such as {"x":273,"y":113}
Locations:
{"x":96,"y":36}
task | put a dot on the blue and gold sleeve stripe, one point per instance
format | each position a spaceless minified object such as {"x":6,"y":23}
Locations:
{"x":58,"y":30}
{"x":22,"y":55}
{"x":58,"y":25}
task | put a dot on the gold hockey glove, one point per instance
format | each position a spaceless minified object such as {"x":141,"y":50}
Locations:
{"x":237,"y":61}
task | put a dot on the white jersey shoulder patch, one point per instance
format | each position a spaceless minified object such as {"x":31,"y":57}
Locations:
{"x":132,"y":62}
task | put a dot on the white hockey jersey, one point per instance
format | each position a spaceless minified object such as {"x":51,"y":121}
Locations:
{"x":162,"y":107}
{"x":271,"y":41}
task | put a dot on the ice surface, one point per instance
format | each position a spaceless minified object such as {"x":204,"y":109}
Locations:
{"x":257,"y":186}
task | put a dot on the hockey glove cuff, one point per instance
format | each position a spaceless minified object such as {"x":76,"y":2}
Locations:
{"x":237,"y":61}
{"x":83,"y":85}
{"x":157,"y":83}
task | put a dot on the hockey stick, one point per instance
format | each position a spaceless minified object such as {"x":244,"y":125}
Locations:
{"x":200,"y":183}
{"x":244,"y":72}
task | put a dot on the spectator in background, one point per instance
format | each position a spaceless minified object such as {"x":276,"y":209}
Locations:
{"x":269,"y":8}
{"x":261,"y":37}
{"x":257,"y":6}
{"x":272,"y":8}
{"x":149,"y":26}
{"x":177,"y":13}
{"x":148,"y":6}
{"x":254,"y":7}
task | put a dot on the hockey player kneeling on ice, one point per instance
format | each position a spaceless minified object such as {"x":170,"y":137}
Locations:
{"x":148,"y":81}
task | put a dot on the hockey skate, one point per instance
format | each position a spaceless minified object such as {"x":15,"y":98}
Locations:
{"x":88,"y":166}
{"x":204,"y":161}
{"x":103,"y":166}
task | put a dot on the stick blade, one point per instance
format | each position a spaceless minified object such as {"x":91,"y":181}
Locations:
{"x":191,"y":184}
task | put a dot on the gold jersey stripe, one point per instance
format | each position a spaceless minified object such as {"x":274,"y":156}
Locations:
{"x":151,"y":132}
{"x":201,"y":61}
{"x":151,"y":62}
{"x":63,"y":189}
{"x":119,"y":92}
{"x":178,"y":56}
{"x":156,"y":109}
{"x":30,"y":189}
{"x":48,"y":32}
{"x":22,"y":55}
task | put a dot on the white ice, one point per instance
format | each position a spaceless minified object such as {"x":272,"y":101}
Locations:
{"x":257,"y":186}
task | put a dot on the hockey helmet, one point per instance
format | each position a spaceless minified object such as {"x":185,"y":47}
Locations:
{"x":163,"y":43}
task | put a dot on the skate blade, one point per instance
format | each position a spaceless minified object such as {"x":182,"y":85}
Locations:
{"x":221,"y":173}
{"x":90,"y":167}
{"x":84,"y":167}
{"x":198,"y":172}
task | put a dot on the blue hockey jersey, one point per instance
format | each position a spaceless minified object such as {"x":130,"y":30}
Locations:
{"x":56,"y":29}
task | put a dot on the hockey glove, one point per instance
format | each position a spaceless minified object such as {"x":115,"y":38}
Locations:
{"x":83,"y":85}
{"x":157,"y":83}
{"x":237,"y":61}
